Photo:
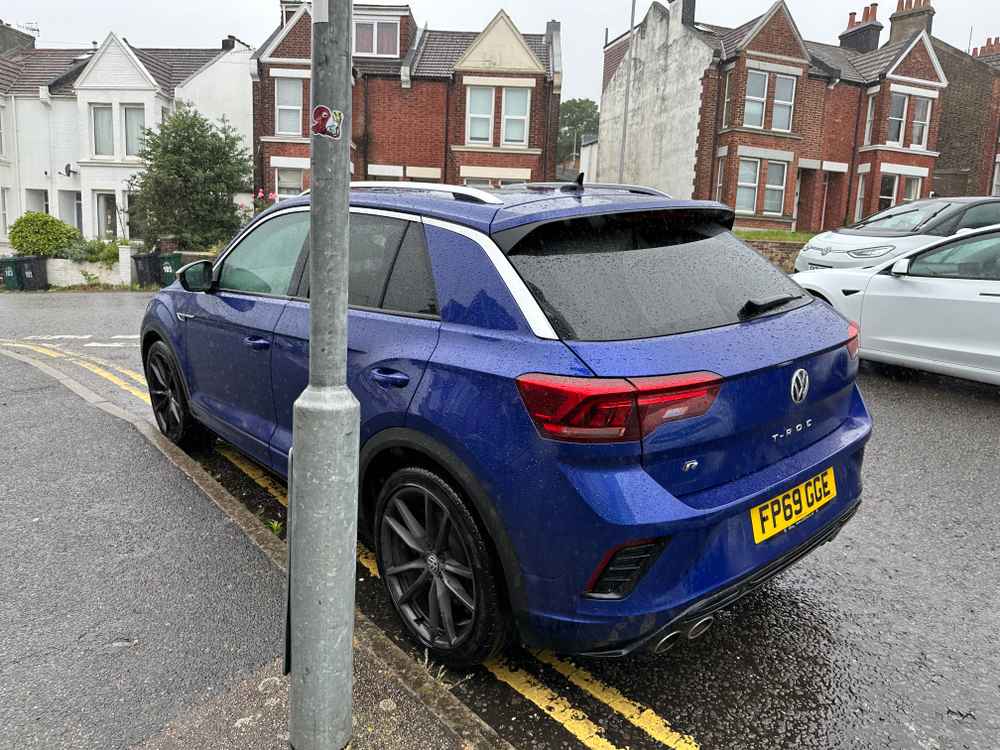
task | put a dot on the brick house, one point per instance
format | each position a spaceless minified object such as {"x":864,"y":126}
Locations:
{"x":479,"y":108}
{"x":794,"y":134}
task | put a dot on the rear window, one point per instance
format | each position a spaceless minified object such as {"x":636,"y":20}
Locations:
{"x":644,"y":275}
{"x":909,"y":217}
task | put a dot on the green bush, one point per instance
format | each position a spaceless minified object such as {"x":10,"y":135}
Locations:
{"x":91,"y":251}
{"x":40,"y":234}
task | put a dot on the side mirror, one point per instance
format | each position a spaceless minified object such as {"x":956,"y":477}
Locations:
{"x":197,"y":276}
{"x":901,"y":267}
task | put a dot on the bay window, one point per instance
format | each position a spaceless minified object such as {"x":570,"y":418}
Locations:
{"x":288,"y":94}
{"x":516,"y":104}
{"x":720,"y":178}
{"x":374,"y":38}
{"x":784,"y":103}
{"x":727,"y":101}
{"x":870,"y":119}
{"x":746,"y":187}
{"x":911,"y":189}
{"x":897,"y":120}
{"x":921,"y":121}
{"x":859,"y":207}
{"x":104,"y":130}
{"x":756,"y":99}
{"x":135,"y":124}
{"x":887,"y":193}
{"x":289,"y":183}
{"x":479,"y":116}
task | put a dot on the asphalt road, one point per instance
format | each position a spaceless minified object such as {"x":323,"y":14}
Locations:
{"x":887,"y":638}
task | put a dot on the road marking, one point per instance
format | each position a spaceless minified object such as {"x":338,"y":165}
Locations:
{"x":58,"y":338}
{"x":98,"y":345}
{"x":259,"y":475}
{"x":130,"y":336}
{"x":38,"y":349}
{"x":635,"y":713}
{"x":111,"y":378}
{"x":554,"y":706}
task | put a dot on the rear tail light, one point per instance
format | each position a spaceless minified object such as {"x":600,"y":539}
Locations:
{"x":622,"y":567}
{"x":613,"y":410}
{"x":853,"y":339}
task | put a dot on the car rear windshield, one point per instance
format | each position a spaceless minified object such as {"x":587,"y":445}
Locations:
{"x":909,"y":217}
{"x":643,"y":275}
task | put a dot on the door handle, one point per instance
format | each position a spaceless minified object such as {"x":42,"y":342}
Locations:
{"x":184,"y":317}
{"x":257,"y":344}
{"x":390,"y":378}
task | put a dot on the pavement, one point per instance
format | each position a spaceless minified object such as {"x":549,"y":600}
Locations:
{"x":887,"y":638}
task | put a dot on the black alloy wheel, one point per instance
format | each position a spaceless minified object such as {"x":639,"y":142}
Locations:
{"x":167,"y":398}
{"x":437,"y":569}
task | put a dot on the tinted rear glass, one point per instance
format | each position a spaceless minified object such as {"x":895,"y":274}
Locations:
{"x":643,"y":275}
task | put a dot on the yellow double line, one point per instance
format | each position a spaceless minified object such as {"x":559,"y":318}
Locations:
{"x":555,"y":706}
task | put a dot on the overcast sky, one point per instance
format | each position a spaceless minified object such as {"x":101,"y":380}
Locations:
{"x":198,"y":23}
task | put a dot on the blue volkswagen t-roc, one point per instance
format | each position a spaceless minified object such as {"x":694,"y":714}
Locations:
{"x":590,"y":416}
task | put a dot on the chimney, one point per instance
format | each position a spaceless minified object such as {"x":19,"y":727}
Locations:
{"x":911,"y":17}
{"x":863,"y":35}
{"x":992,"y":47}
{"x":687,"y":12}
{"x":229,"y":43}
{"x":552,"y":28}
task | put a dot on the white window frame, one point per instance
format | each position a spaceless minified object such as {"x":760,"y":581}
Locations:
{"x":478,"y":182}
{"x":769,"y":188}
{"x":125,"y":109}
{"x":4,"y":208}
{"x":870,"y":119}
{"x":895,"y":191}
{"x":469,"y":115}
{"x":277,"y":184}
{"x":925,"y":124}
{"x":526,"y":118}
{"x":755,"y":186}
{"x":782,"y":103}
{"x":996,"y":180}
{"x":375,"y":23}
{"x":727,"y":105}
{"x":720,"y":178}
{"x":763,"y":101}
{"x":3,"y":143}
{"x":278,"y":82}
{"x":907,"y":181}
{"x":93,"y":129}
{"x":902,"y":122}
{"x":859,"y":204}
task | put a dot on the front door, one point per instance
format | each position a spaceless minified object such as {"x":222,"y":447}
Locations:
{"x":230,"y":332}
{"x":946,"y":310}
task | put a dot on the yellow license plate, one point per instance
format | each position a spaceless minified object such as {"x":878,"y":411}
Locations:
{"x":786,"y":510}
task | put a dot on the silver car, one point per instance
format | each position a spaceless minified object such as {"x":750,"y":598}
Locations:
{"x":893,"y":232}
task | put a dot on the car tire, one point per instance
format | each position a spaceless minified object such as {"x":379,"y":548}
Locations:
{"x":169,"y":400}
{"x":443,"y":583}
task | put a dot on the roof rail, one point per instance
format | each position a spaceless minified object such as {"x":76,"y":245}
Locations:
{"x":573,"y":187}
{"x":460,"y":192}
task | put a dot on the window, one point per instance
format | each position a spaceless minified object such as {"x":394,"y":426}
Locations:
{"x":479,"y":124}
{"x":516,"y":104}
{"x":870,"y":119}
{"x":36,"y":201}
{"x":774,"y":191}
{"x":727,"y":102}
{"x":264,"y":261}
{"x":4,"y":202}
{"x":753,"y":116}
{"x":746,"y":187}
{"x":375,"y":241}
{"x":376,"y":38}
{"x":288,"y":92}
{"x":897,"y":120}
{"x":784,"y":103}
{"x":478,"y":182}
{"x":104,"y":131}
{"x":977,"y":217}
{"x":720,"y":179}
{"x":135,"y":124}
{"x":288,"y":182}
{"x":107,"y":216}
{"x":996,"y":180}
{"x":887,"y":193}
{"x":911,"y":189}
{"x":411,"y":285}
{"x":977,"y":259}
{"x":657,"y":270}
{"x":1,"y":132}
{"x":506,"y":183}
{"x":921,"y":121}
{"x":859,"y":207}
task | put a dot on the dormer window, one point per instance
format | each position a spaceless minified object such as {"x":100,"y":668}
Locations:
{"x":376,"y":38}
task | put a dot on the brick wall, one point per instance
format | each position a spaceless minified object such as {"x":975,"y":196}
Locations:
{"x":781,"y":254}
{"x":613,"y":57}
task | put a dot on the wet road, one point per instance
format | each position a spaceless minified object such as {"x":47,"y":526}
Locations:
{"x":887,"y":638}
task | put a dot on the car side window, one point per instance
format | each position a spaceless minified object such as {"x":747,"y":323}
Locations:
{"x":411,"y":286}
{"x":976,"y":259}
{"x":375,"y":241}
{"x":978,"y":217}
{"x":264,"y":261}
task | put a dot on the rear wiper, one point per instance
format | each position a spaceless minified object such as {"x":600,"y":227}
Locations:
{"x":755,"y":307}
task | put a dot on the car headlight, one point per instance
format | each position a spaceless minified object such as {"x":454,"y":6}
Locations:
{"x":872,"y":252}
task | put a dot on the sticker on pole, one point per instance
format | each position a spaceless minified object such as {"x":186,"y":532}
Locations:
{"x":327,"y":122}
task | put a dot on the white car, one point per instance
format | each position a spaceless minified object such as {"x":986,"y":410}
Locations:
{"x":894,"y":232}
{"x":935,"y":309}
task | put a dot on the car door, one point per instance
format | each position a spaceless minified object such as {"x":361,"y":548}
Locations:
{"x":393,"y":328}
{"x":230,"y":331}
{"x":946,"y":309}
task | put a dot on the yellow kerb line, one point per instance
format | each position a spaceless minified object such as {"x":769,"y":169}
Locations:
{"x":635,"y":713}
{"x":38,"y":349}
{"x":256,"y":473}
{"x":102,"y":373}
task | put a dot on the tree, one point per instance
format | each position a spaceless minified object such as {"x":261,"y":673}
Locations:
{"x":577,"y":118}
{"x":193,"y":170}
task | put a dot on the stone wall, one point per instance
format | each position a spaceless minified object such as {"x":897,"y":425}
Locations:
{"x":781,"y":254}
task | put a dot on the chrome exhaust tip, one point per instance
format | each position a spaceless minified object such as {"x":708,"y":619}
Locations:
{"x":667,"y":642}
{"x":700,"y":628}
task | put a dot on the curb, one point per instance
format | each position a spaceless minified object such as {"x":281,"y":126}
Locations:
{"x":442,"y":704}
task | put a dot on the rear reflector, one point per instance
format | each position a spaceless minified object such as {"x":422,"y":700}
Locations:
{"x":612,"y":410}
{"x":853,"y":339}
{"x":622,"y":567}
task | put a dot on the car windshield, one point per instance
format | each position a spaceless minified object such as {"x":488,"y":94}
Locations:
{"x":906,"y":218}
{"x":642,"y":275}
